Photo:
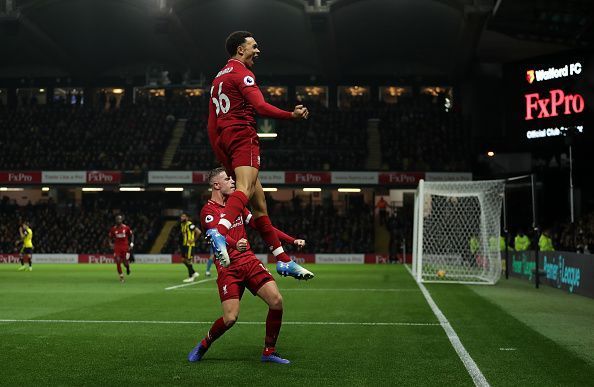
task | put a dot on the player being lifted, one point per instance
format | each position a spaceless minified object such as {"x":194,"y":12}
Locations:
{"x":121,"y":239}
{"x":26,"y":238}
{"x":235,"y":100}
{"x":188,"y":237}
{"x":243,"y":271}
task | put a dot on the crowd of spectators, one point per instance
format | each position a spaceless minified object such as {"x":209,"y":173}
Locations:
{"x":194,"y":151}
{"x":62,"y":137}
{"x":326,"y":227}
{"x":332,"y":139}
{"x":418,"y":134}
{"x":578,"y":237}
{"x":302,"y":145}
{"x":70,"y":228}
{"x":415,"y":134}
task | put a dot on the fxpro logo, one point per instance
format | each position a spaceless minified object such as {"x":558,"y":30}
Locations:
{"x":556,"y":103}
{"x":553,"y":72}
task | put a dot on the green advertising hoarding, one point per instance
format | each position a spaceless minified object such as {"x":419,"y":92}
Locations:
{"x":563,"y":270}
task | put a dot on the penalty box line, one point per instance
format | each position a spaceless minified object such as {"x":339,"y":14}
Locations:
{"x":190,"y":284}
{"x":334,"y":323}
{"x":475,"y":373}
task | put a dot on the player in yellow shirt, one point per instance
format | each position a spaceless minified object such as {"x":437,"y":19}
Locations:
{"x":26,"y":238}
{"x":188,"y":237}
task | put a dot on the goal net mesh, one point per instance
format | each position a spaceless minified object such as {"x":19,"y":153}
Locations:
{"x":457,"y":231}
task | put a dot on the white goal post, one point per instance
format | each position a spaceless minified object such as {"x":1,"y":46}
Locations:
{"x":456,"y":235}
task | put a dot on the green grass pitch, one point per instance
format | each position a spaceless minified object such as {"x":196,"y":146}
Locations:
{"x":360,"y":325}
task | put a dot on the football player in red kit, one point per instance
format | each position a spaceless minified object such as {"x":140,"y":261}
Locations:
{"x":235,"y":101}
{"x":243,"y":271}
{"x":121,"y":240}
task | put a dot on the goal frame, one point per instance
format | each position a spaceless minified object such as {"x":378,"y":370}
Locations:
{"x":417,"y":262}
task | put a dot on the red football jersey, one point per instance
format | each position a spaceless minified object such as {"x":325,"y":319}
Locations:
{"x":209,"y":218}
{"x":235,"y":99}
{"x":228,"y":95}
{"x":120,"y":234}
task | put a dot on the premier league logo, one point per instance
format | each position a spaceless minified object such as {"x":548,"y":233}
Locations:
{"x":248,"y":80}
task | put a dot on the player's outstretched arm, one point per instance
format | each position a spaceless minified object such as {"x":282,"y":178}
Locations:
{"x":256,"y":99}
{"x":283,"y":236}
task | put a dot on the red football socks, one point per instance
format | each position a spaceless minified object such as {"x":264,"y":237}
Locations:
{"x":274,"y":321}
{"x":233,"y":207}
{"x":216,"y":331}
{"x":268,"y":233}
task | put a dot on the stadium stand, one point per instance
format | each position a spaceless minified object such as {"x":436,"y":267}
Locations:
{"x":134,"y":137}
{"x":327,"y":228}
{"x":61,"y":137}
{"x":419,"y":135}
{"x":68,"y":228}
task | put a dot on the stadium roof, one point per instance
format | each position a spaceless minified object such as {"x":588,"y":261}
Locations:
{"x":333,"y":39}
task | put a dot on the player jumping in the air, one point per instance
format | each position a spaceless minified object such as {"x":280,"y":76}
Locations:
{"x":188,"y":237}
{"x":121,"y":240}
{"x":243,"y":271}
{"x":235,"y":100}
{"x":26,"y":238}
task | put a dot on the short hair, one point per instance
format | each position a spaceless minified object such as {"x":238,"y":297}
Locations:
{"x":214,"y":173}
{"x":236,"y":39}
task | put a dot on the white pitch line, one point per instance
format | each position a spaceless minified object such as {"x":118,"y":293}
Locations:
{"x":475,"y":373}
{"x":190,"y":284}
{"x":210,"y":322}
{"x":330,"y":290}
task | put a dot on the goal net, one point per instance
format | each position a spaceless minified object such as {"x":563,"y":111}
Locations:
{"x":456,"y":232}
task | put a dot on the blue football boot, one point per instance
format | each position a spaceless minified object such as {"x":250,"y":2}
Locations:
{"x":274,"y":357}
{"x":293,"y":269}
{"x":197,"y":353}
{"x":219,"y":246}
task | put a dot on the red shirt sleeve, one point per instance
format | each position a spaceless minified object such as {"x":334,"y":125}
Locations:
{"x":212,"y":122}
{"x":209,"y":218}
{"x":247,"y":217}
{"x":128,"y":231}
{"x":251,"y":92}
{"x":254,"y":96}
